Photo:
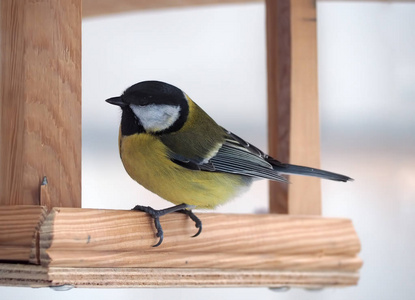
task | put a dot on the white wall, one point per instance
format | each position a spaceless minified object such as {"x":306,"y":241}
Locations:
{"x":217,"y":55}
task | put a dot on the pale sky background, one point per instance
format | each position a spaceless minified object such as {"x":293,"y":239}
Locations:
{"x":217,"y":55}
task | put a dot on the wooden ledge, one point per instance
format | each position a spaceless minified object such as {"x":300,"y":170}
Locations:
{"x":90,"y":247}
{"x":39,"y":276}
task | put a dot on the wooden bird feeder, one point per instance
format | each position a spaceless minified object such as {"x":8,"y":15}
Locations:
{"x":46,"y":239}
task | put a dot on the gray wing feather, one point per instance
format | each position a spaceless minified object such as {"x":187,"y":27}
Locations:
{"x":240,"y":159}
{"x":236,"y":156}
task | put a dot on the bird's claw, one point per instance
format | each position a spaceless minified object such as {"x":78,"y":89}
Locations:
{"x":198,"y":223}
{"x":199,"y":231}
{"x":160,"y":240}
{"x":156,"y":214}
{"x":160,"y":233}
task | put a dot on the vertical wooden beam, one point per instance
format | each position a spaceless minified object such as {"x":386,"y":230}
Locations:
{"x":40,"y":104}
{"x":304,"y":192}
{"x":279,"y":93}
{"x":293,"y":101}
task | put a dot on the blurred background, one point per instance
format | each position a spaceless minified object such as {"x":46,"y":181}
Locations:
{"x":216,"y":54}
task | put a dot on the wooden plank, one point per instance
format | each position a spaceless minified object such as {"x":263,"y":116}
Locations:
{"x":40,"y":104}
{"x":192,"y":260}
{"x":12,"y":95}
{"x":23,"y":275}
{"x":171,"y":277}
{"x":103,"y":7}
{"x":293,"y":118}
{"x":279,"y":93}
{"x":111,"y":238}
{"x":38,"y":276}
{"x":18,"y":228}
{"x":99,"y":229}
{"x":111,"y":248}
{"x":304,"y":192}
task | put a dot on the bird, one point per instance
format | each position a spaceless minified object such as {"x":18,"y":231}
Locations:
{"x":172,"y":147}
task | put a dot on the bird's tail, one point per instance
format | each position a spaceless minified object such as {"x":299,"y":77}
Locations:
{"x":306,"y":171}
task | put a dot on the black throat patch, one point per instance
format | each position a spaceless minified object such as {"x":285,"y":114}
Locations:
{"x":129,"y":123}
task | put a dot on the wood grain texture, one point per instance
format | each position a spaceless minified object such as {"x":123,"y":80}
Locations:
{"x":111,"y":248}
{"x":108,"y":238}
{"x":192,"y":260}
{"x":278,"y":28}
{"x":38,"y":276}
{"x":40,"y":105}
{"x":19,"y":226}
{"x":293,"y":117}
{"x":171,"y":277}
{"x":23,"y":275}
{"x":12,"y":102}
{"x":103,"y":7}
{"x":304,"y":192}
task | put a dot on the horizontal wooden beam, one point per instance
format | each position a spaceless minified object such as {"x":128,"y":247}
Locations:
{"x":72,"y":239}
{"x":103,"y":7}
{"x":38,"y":276}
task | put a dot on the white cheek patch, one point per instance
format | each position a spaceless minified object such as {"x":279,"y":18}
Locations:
{"x":156,"y":118}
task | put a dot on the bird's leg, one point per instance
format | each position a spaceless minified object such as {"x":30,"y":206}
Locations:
{"x":156,"y":214}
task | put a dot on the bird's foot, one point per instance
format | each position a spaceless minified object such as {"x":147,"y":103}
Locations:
{"x":157,"y":213}
{"x":198,"y":223}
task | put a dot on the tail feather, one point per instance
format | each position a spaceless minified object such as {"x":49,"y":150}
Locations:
{"x":306,"y":171}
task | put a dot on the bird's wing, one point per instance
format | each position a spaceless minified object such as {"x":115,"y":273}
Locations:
{"x":235,"y":156}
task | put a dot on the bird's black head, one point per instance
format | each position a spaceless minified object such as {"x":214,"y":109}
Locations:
{"x":153,"y":92}
{"x":152,"y":106}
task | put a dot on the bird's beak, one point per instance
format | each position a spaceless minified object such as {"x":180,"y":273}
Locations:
{"x":116,"y":101}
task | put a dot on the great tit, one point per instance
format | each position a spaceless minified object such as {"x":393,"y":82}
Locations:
{"x":169,"y":145}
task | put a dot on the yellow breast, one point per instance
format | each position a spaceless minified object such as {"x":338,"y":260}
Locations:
{"x":145,"y":159}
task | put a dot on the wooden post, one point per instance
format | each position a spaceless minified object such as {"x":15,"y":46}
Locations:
{"x":293,"y":102}
{"x":279,"y":93}
{"x":40,"y":104}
